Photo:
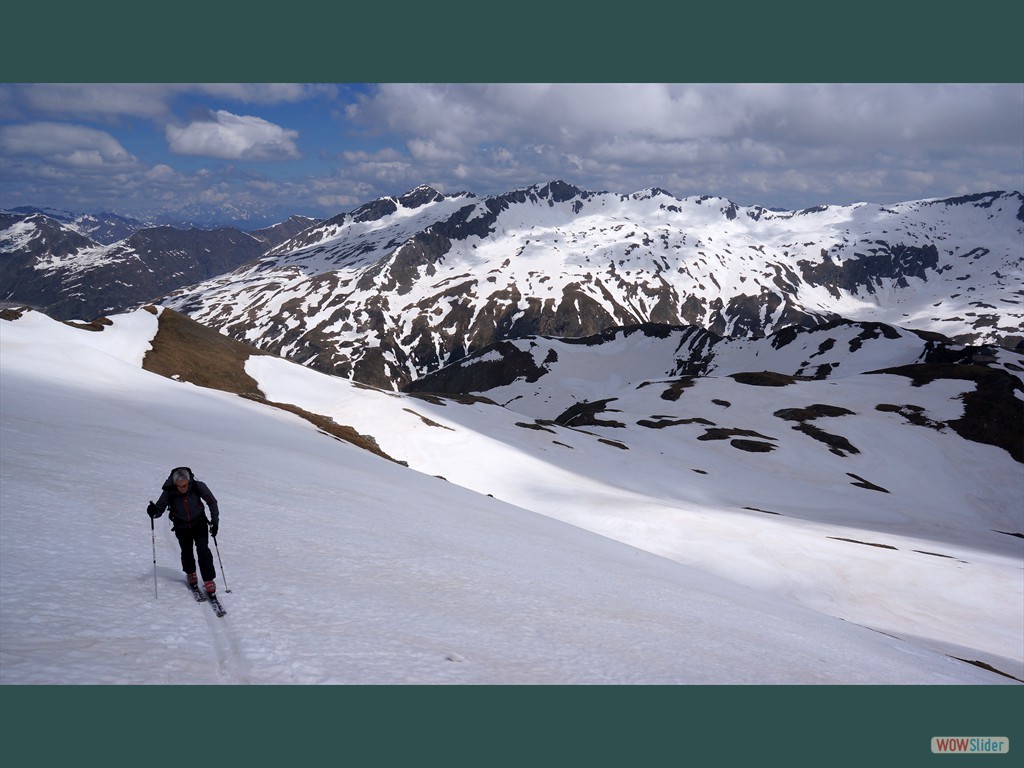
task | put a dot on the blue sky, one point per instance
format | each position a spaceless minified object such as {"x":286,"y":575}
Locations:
{"x":321,"y":149}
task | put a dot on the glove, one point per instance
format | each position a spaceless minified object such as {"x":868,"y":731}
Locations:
{"x":151,"y":510}
{"x":213,"y":530}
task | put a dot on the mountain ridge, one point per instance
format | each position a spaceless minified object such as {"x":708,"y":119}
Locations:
{"x":404,"y":285}
{"x":397,"y":292}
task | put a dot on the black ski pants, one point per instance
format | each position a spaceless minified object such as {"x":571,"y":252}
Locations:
{"x":197,"y":536}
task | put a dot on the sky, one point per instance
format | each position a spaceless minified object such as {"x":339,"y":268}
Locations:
{"x":319,"y":149}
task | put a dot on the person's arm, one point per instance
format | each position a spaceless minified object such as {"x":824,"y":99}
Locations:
{"x":207,"y":495}
{"x":157,"y":509}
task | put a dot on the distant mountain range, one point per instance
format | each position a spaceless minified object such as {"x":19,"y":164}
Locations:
{"x":53,"y":265}
{"x":403,"y":286}
{"x":104,"y":228}
{"x":107,"y":227}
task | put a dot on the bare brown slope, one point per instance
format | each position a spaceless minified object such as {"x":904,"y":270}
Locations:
{"x":185,"y":350}
{"x":188,"y":351}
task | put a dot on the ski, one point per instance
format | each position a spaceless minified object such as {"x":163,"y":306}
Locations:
{"x":215,"y":602}
{"x":202,"y":596}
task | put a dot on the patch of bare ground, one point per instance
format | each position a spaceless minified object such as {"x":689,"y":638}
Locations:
{"x":865,"y":543}
{"x":988,"y":667}
{"x":93,"y":325}
{"x":993,"y":412}
{"x":862,"y":483}
{"x":15,"y":313}
{"x":912,"y":413}
{"x":12,"y":313}
{"x":584,"y":414}
{"x":740,"y":442}
{"x":811,"y":412}
{"x":425,"y":420}
{"x":723,"y":433}
{"x":766,"y":378}
{"x":938,"y":554}
{"x":185,"y":350}
{"x":662,"y":422}
{"x":752,"y":446}
{"x":440,"y":398}
{"x":535,"y":425}
{"x":837,"y":444}
{"x":330,"y":427}
{"x":675,"y":389}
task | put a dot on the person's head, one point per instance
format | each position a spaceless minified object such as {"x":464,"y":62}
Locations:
{"x":180,"y":480}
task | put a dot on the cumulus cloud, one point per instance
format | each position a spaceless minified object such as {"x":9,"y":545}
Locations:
{"x":148,"y":100}
{"x":264,"y":93}
{"x":234,"y":137}
{"x":748,"y":138}
{"x":776,"y":144}
{"x":161,"y":173}
{"x":385,"y":155}
{"x":68,"y":145}
{"x":461,"y":115}
{"x":84,"y":100}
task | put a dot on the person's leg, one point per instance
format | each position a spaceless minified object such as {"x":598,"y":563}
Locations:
{"x":188,"y":560}
{"x":202,"y":539}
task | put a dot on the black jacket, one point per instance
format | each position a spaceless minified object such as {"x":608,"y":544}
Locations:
{"x":187,"y":509}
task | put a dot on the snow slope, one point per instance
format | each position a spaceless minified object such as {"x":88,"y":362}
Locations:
{"x":347,"y":568}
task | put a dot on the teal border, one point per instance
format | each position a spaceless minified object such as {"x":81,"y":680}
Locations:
{"x":506,"y":726}
{"x":526,"y":42}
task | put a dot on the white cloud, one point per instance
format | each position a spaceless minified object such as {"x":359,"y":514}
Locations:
{"x":161,"y":172}
{"x":385,"y":155}
{"x":431,"y":152}
{"x":69,"y":145}
{"x":98,"y":99}
{"x":628,"y":136}
{"x":234,"y":137}
{"x":265,"y":93}
{"x":151,"y":100}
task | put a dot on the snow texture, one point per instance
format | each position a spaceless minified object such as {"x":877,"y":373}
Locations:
{"x":586,"y":565}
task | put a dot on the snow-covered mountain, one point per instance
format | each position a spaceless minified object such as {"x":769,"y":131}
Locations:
{"x":104,"y":228}
{"x":571,"y":381}
{"x":54,"y":266}
{"x":403,"y":286}
{"x":842,"y":529}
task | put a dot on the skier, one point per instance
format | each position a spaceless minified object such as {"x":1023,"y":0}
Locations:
{"x":185,"y":495}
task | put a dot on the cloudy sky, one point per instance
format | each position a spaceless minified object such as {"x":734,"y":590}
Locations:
{"x":320,"y":149}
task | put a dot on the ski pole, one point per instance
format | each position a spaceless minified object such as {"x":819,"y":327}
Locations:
{"x":226,"y":588}
{"x":152,"y":527}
